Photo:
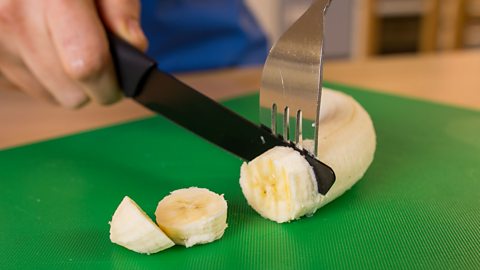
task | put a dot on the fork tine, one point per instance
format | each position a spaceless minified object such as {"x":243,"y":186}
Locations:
{"x":286,"y":123}
{"x":298,"y":130}
{"x":274,"y":119}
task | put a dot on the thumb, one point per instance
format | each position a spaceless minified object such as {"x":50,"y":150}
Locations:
{"x":122,"y":17}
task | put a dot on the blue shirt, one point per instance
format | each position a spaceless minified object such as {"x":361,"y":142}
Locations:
{"x":187,"y":35}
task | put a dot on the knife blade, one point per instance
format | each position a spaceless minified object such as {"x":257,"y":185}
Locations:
{"x":141,"y":80}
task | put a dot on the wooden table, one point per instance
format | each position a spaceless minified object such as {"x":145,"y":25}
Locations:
{"x":450,"y":78}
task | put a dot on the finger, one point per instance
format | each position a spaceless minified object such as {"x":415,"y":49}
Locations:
{"x":7,"y":85}
{"x":81,"y":43}
{"x":123,"y":18}
{"x":19,"y":77}
{"x":38,"y":53}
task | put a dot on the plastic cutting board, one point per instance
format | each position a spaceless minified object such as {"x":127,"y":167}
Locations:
{"x":417,"y":207}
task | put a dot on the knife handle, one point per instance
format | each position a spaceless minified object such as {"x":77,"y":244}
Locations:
{"x":131,"y":65}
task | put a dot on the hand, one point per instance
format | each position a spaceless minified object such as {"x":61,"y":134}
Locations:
{"x":57,"y":50}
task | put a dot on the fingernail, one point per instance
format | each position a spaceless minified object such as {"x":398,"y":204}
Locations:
{"x":136,"y":33}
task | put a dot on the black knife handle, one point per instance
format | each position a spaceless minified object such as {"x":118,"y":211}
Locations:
{"x":131,"y":65}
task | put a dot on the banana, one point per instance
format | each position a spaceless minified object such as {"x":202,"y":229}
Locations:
{"x":280,"y":184}
{"x":133,"y":229}
{"x":192,"y":216}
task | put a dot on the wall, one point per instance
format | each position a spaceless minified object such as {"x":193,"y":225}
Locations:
{"x":276,"y":15}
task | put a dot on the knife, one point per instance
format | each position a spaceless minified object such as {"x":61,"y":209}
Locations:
{"x":141,"y":80}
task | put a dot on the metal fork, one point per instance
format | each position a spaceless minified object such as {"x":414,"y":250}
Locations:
{"x":291,"y":84}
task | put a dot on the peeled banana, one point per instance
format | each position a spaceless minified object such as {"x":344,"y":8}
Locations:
{"x":192,"y":216}
{"x":280,"y":184}
{"x":133,"y":229}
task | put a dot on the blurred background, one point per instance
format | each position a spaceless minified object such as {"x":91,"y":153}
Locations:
{"x":366,"y":28}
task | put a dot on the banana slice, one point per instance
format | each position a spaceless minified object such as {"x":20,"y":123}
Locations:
{"x":280,"y":184}
{"x":133,"y":229}
{"x":192,"y":216}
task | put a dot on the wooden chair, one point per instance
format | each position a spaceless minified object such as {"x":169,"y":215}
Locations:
{"x":369,"y":24}
{"x":442,"y":26}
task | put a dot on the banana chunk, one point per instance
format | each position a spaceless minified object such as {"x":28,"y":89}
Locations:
{"x":133,"y":229}
{"x":280,"y":184}
{"x":192,"y":216}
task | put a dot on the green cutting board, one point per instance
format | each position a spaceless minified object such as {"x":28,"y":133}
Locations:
{"x":417,"y":207}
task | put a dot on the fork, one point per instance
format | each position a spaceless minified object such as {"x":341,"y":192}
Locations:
{"x":291,"y":86}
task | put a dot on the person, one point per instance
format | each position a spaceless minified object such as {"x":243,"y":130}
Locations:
{"x":57,"y":50}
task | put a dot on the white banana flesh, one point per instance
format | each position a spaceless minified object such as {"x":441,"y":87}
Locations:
{"x":192,"y":216}
{"x":133,"y":229}
{"x":280,"y":184}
